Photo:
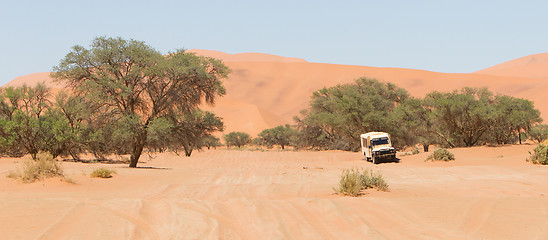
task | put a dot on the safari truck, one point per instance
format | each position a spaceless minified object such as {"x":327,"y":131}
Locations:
{"x":376,"y":146}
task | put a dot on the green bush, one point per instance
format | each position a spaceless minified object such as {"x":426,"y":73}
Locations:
{"x":352,"y":182}
{"x":45,"y":166}
{"x":539,"y":155}
{"x":538,"y":133}
{"x":441,"y":154}
{"x":102,"y":173}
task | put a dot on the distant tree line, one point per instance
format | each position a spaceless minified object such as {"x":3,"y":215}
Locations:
{"x":467,"y":117}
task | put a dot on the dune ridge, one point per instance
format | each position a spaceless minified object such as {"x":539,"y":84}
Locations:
{"x":532,"y":66}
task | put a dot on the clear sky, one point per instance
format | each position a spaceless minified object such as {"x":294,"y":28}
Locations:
{"x":443,"y":36}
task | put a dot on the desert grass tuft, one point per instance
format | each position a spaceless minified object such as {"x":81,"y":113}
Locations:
{"x":373,"y":180}
{"x":102,"y":173}
{"x":352,"y":182}
{"x":441,"y":154}
{"x":45,"y":166}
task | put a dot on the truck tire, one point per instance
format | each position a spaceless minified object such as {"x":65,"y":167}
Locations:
{"x":375,"y":160}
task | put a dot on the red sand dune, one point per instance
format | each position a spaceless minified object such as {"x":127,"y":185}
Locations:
{"x":264,"y":90}
{"x":532,"y":66}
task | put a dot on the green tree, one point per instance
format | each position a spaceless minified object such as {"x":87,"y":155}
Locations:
{"x":510,"y":117}
{"x":283,"y":135}
{"x":339,"y":114}
{"x":538,"y":133}
{"x":211,"y":142}
{"x":22,"y":122}
{"x":417,"y":122}
{"x":461,"y":118}
{"x":238,"y":139}
{"x":138,"y":84}
{"x":194,"y":128}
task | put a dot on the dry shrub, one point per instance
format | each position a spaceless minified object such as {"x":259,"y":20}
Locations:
{"x":352,"y":182}
{"x":441,"y":154}
{"x":102,"y":173}
{"x":370,"y":179}
{"x":539,"y":155}
{"x":45,"y":166}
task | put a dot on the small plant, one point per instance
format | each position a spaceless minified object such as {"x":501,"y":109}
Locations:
{"x":441,"y":154}
{"x":373,"y":180}
{"x":102,"y":173}
{"x":45,"y":166}
{"x":415,"y":151}
{"x":352,"y":182}
{"x":539,"y":155}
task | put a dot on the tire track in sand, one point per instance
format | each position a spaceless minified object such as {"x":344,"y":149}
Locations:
{"x":67,"y":222}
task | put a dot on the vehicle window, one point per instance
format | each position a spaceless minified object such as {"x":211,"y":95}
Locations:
{"x":379,"y":141}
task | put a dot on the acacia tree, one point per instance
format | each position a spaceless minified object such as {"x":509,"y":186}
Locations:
{"x":193,"y":129}
{"x":510,"y":118}
{"x":461,"y":118}
{"x":282,"y":135}
{"x":338,"y":115}
{"x":418,"y":122}
{"x":23,"y":112}
{"x":238,"y":139}
{"x":138,"y":84}
{"x":538,"y":133}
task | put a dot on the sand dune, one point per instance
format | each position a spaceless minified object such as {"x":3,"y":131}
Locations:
{"x":487,"y":193}
{"x":264,"y":90}
{"x":532,"y":66}
{"x":245,"y":57}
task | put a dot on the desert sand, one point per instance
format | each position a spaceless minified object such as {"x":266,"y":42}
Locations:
{"x":486,"y":193}
{"x":264,"y":91}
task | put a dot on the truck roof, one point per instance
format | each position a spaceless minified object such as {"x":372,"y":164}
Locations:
{"x":376,"y":134}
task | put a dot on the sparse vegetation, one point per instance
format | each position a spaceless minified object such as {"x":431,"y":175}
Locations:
{"x":539,"y":155}
{"x":538,"y":133}
{"x":102,"y":173}
{"x":441,"y":154}
{"x":283,"y":135}
{"x":45,"y":166}
{"x":352,"y":182}
{"x":238,"y":139}
{"x":370,"y":179}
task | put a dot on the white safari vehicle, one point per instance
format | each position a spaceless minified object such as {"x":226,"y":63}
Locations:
{"x":376,"y":146}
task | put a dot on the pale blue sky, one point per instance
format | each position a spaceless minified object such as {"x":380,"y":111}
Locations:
{"x":444,"y":36}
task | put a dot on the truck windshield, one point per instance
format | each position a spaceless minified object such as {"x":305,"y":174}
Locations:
{"x":379,"y":141}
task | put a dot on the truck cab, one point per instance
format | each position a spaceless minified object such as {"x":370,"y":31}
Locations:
{"x":376,"y":146}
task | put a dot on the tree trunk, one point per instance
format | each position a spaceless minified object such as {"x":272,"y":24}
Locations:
{"x":138,"y":145}
{"x":519,"y":136}
{"x":188,"y":149}
{"x":282,"y":147}
{"x":425,"y":147}
{"x":74,"y":156}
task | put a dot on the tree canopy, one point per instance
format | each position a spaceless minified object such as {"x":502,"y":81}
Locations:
{"x":337,"y":115}
{"x":238,"y":139}
{"x":283,"y":135}
{"x":136,"y":84}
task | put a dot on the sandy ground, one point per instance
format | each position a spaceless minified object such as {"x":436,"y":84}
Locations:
{"x":487,"y":193}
